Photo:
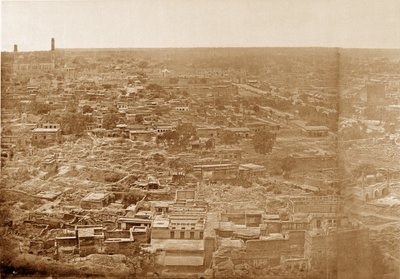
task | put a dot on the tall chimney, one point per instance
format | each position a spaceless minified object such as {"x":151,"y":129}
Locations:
{"x":15,"y":48}
{"x":53,"y":44}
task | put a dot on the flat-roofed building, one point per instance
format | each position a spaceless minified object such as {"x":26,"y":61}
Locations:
{"x":241,"y":132}
{"x":316,"y":131}
{"x":161,"y":207}
{"x":179,"y":242}
{"x":247,"y":218}
{"x":140,"y":134}
{"x":46,"y":134}
{"x":119,"y":242}
{"x":311,"y":131}
{"x":208,"y":132}
{"x":234,"y":154}
{"x":318,"y":211}
{"x":178,"y":235}
{"x":126,"y":223}
{"x":95,"y":200}
{"x":161,"y":129}
{"x":251,"y":170}
{"x":315,"y":204}
{"x":256,"y":127}
{"x":216,"y":171}
{"x":179,"y":255}
{"x":90,"y":239}
{"x":183,"y":195}
{"x":49,"y":164}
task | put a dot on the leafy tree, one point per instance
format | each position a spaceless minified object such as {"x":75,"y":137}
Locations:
{"x":283,"y":105}
{"x":142,"y":77}
{"x":174,"y":80}
{"x":288,"y":163}
{"x":210,"y":144}
{"x":170,"y":137}
{"x":263,"y":142}
{"x":110,"y":120}
{"x":160,"y":139}
{"x":245,"y":103}
{"x":40,"y":108}
{"x":132,"y":197}
{"x":7,"y":131}
{"x":159,"y":158}
{"x":73,"y":123}
{"x":143,"y":64}
{"x":139,"y":118}
{"x":87,"y":109}
{"x":112,"y":109}
{"x":160,"y":110}
{"x":180,"y":164}
{"x":256,"y":108}
{"x":220,"y":103}
{"x":155,"y":87}
{"x":228,"y":137}
{"x":180,"y":137}
{"x":201,"y":110}
{"x":186,"y":130}
{"x":71,"y":107}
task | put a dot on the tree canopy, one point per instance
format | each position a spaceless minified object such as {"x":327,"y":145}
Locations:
{"x":263,"y":142}
{"x":139,"y":118}
{"x":73,"y":123}
{"x":40,"y":108}
{"x":110,"y":120}
{"x":288,"y":163}
{"x":210,"y":144}
{"x":180,"y":137}
{"x":87,"y":109}
{"x":229,"y":137}
{"x":180,"y":164}
{"x":155,"y":87}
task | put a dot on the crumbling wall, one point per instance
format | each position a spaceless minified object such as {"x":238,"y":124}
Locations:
{"x":260,"y":253}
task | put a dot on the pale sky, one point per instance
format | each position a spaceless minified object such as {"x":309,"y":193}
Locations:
{"x":200,"y":23}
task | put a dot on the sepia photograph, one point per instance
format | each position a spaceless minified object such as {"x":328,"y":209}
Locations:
{"x":200,"y":139}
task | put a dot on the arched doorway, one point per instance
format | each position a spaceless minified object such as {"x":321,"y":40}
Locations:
{"x":385,"y":191}
{"x":377,"y":194}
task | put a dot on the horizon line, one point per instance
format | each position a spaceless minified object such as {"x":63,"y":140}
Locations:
{"x":207,"y":47}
